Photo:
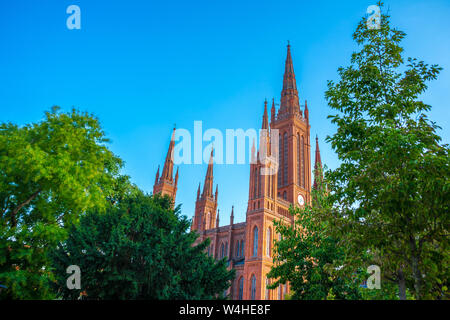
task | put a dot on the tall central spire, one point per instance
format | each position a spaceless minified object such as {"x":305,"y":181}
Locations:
{"x":289,"y":94}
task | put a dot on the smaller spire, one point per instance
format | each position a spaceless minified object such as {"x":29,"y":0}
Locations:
{"x":265,"y":124}
{"x":157,"y":176}
{"x":208,"y":186}
{"x":318,"y":160}
{"x":232,"y":215}
{"x":217,"y":192}
{"x":217,"y":220}
{"x":317,"y":164}
{"x":198,"y":191}
{"x":306,"y":110}
{"x":272,"y":111}
{"x":253,"y":160}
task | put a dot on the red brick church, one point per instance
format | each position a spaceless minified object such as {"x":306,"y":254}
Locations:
{"x":248,"y":245}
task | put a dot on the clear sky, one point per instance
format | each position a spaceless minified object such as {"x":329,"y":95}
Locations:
{"x":141,"y":66}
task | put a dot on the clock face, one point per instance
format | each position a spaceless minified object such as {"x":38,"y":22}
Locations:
{"x":301,"y":200}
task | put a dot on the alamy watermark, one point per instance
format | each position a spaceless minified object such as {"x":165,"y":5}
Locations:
{"x":235,"y":146}
{"x":374,"y":19}
{"x":74,"y":20}
{"x":74,"y":280}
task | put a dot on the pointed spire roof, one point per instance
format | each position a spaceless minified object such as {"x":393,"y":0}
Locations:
{"x":217,"y":219}
{"x":289,"y":76}
{"x":167,"y":173}
{"x":157,"y":176}
{"x":253,"y":160}
{"x":232,"y":215}
{"x":265,"y":122}
{"x":306,"y":109}
{"x":317,"y":164}
{"x":272,"y":112}
{"x":289,"y":94}
{"x":318,"y":161}
{"x":208,"y":186}
{"x":198,"y":191}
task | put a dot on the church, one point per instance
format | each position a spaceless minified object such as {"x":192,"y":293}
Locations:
{"x":248,"y":245}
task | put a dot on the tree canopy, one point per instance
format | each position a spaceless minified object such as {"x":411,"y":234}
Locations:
{"x":139,"y":249}
{"x":51,"y":172}
{"x":391,"y":189}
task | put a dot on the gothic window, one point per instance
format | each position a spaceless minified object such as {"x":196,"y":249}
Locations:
{"x":284,"y":195}
{"x":298,"y":160}
{"x":259,"y":182}
{"x":268,"y":242}
{"x":255,"y":241}
{"x":237,"y":249}
{"x":285,"y":159}
{"x":208,"y":217}
{"x":226,"y":249}
{"x":302,"y":146}
{"x":241,"y":288}
{"x":280,"y":160}
{"x":221,"y":250}
{"x":253,"y":288}
{"x":255,"y":183}
{"x":242,"y":248}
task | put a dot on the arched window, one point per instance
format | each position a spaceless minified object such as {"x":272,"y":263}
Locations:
{"x":285,"y":159}
{"x":241,"y":288}
{"x":255,"y":241}
{"x":242,"y":248}
{"x":221,"y":250}
{"x":267,"y":288}
{"x":208,"y":217}
{"x":284,"y":195}
{"x":226,"y":249}
{"x":237,"y":249}
{"x":268,"y":241}
{"x":212,"y":250}
{"x":298,"y":160}
{"x":253,"y":288}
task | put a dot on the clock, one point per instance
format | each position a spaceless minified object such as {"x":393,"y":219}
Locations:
{"x":301,"y":200}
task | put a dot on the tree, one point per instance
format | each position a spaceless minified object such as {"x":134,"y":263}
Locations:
{"x":392,"y":187}
{"x":139,"y":249}
{"x":50,"y":173}
{"x":306,"y":253}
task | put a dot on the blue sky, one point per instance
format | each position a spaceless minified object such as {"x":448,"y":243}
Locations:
{"x":141,"y":66}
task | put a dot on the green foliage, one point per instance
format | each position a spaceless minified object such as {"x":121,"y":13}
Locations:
{"x":139,"y":249}
{"x":392,"y":188}
{"x":50,"y":173}
{"x":305,"y":254}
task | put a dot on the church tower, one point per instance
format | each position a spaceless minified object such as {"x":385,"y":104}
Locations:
{"x":294,"y":174}
{"x":166,"y":184}
{"x":274,"y":186}
{"x":206,"y":203}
